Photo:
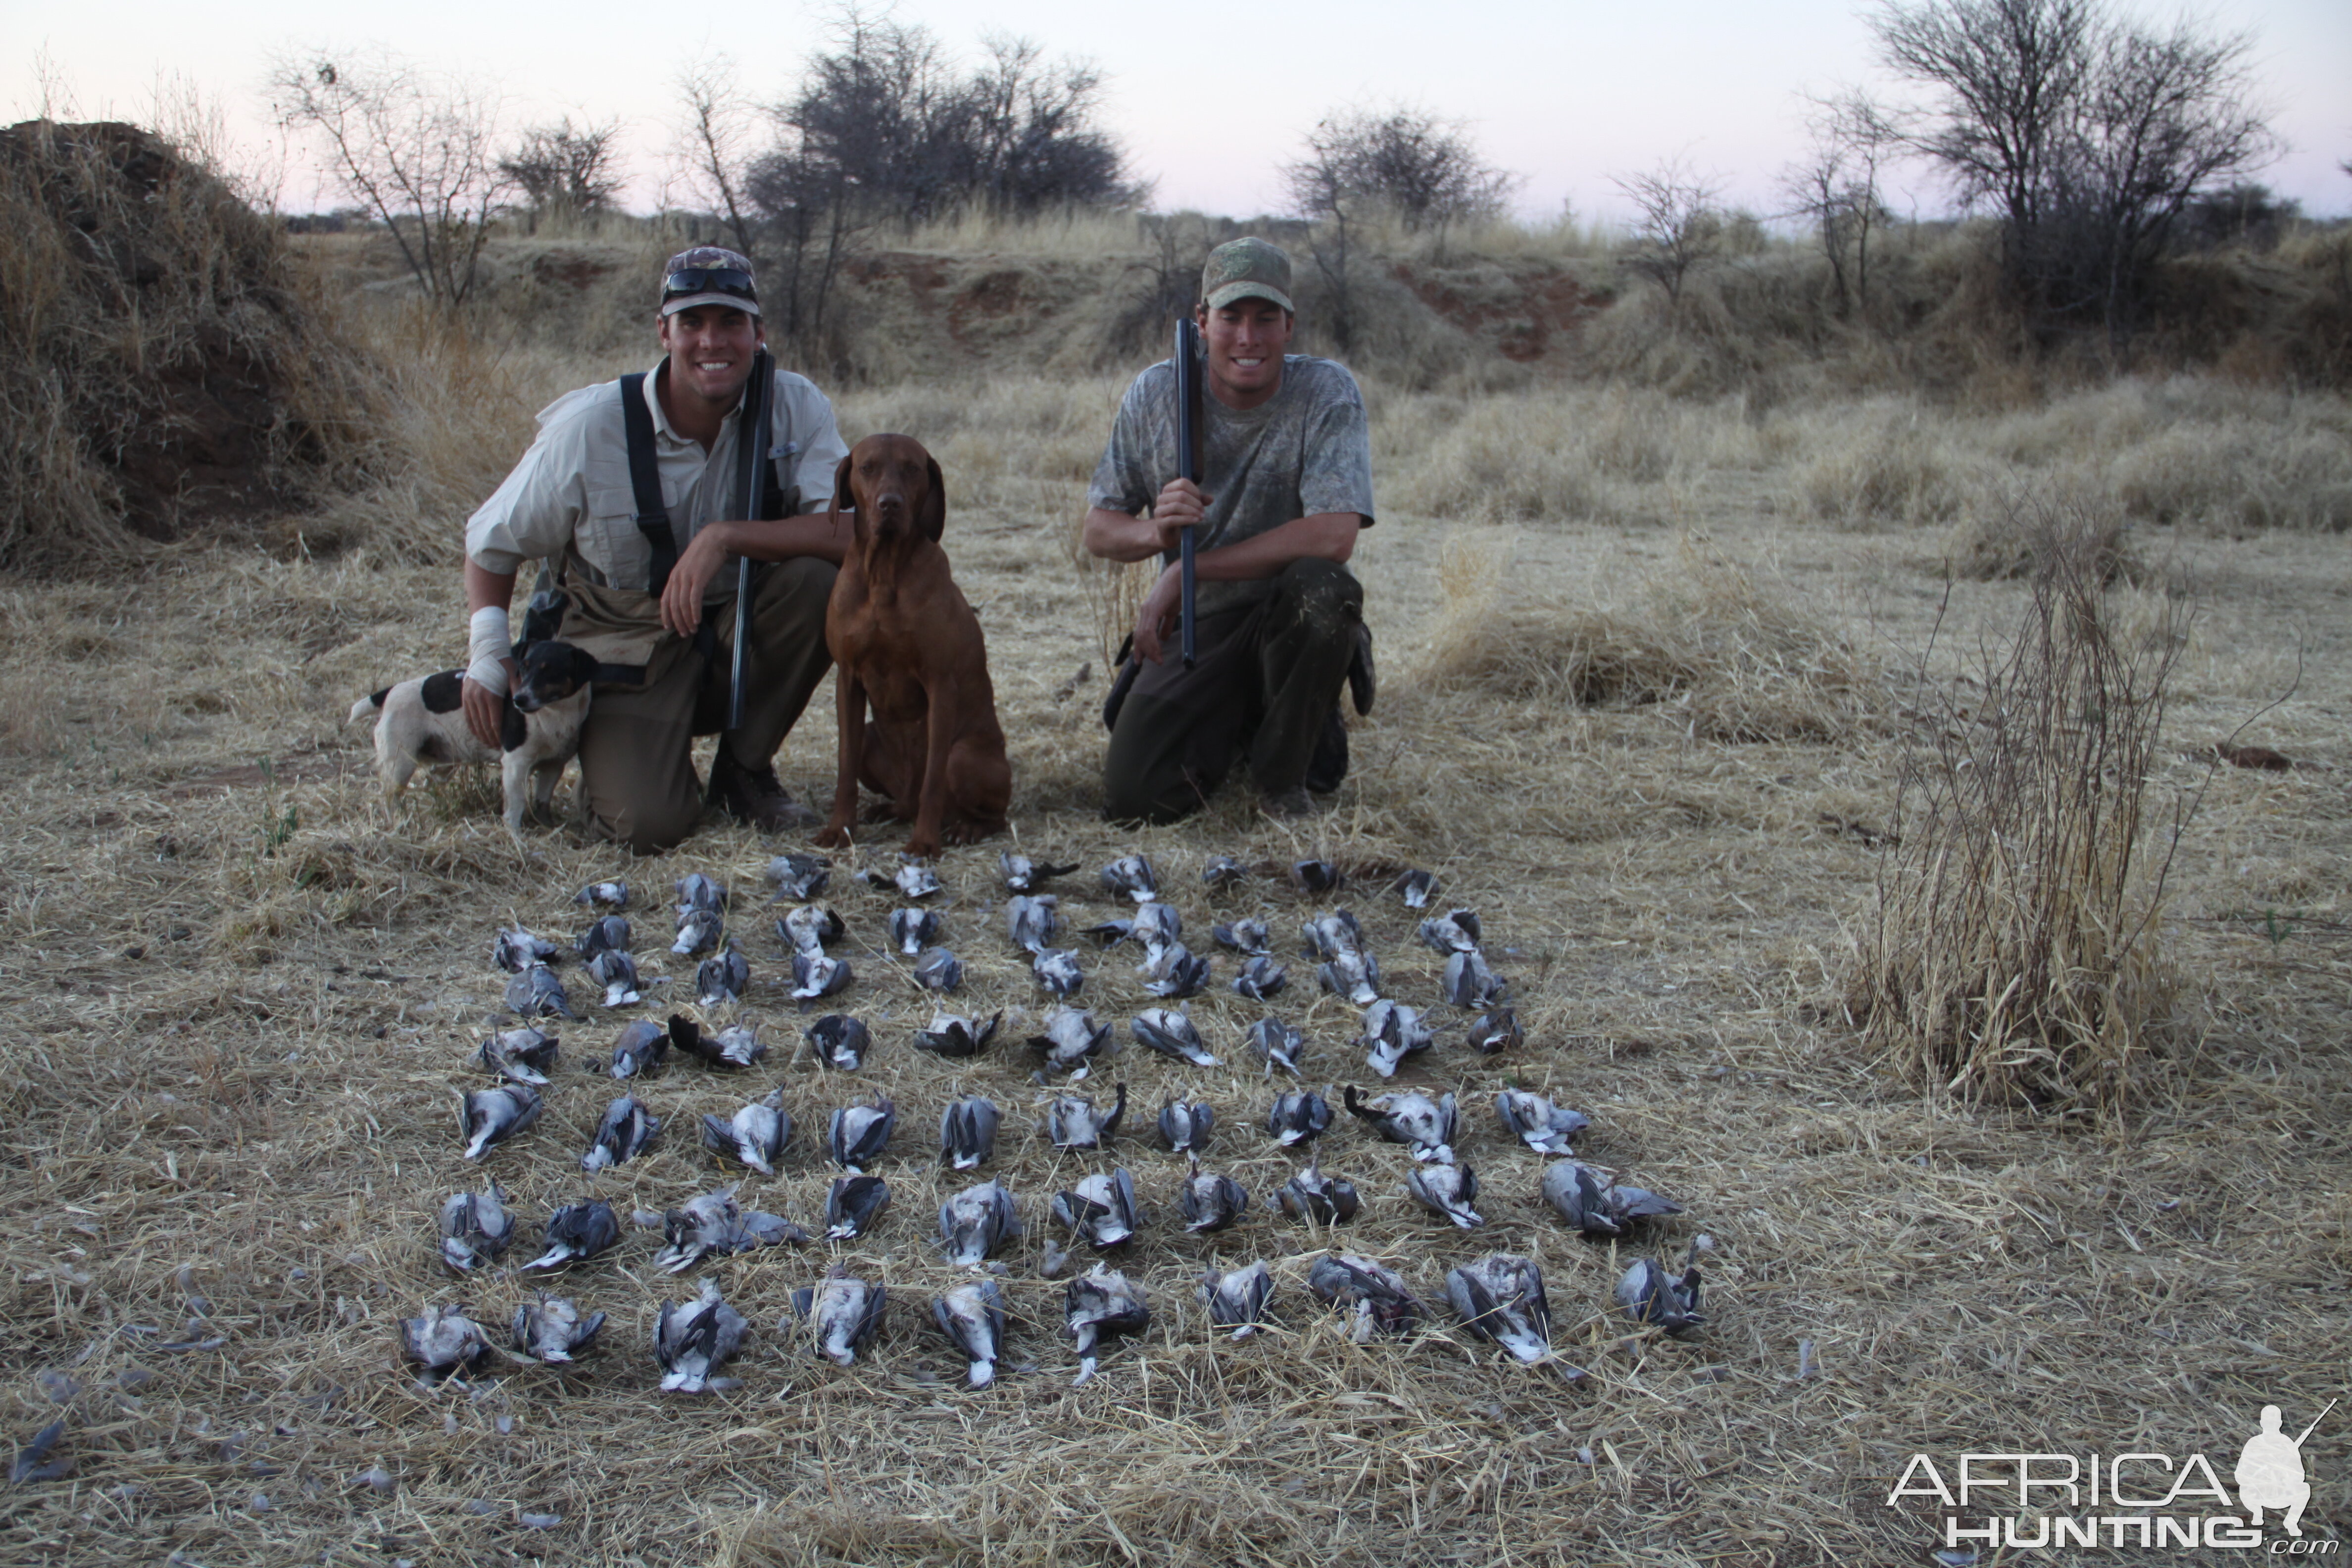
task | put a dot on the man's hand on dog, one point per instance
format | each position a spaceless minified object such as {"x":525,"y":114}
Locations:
{"x":485,"y":708}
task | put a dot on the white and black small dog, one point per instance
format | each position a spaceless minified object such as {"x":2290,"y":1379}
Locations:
{"x":422,"y":722}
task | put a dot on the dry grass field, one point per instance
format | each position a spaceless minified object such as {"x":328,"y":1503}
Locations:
{"x":1651,"y":668}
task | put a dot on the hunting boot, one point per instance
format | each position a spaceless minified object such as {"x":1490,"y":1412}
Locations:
{"x":755,"y":796}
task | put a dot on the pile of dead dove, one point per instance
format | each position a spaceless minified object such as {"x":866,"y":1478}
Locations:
{"x":705,"y":1039}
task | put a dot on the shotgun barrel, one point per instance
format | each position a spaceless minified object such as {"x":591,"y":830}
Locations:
{"x":750,"y":456}
{"x":1188,"y":465}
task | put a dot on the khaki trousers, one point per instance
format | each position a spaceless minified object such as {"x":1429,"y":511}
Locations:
{"x":636,"y":764}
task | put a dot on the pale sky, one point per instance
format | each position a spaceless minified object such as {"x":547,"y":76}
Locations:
{"x":1208,"y":97}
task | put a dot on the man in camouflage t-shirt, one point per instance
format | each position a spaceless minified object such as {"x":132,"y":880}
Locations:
{"x":1286,"y":484}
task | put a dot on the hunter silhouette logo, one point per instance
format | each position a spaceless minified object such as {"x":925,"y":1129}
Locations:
{"x":2270,"y":1471}
{"x":2139,"y":1498}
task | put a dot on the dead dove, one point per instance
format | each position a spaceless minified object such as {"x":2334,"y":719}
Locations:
{"x":708,"y":1224}
{"x":755,"y":1136}
{"x":950,"y":1035}
{"x":841,"y":1314}
{"x":840,"y":1041}
{"x":1030,"y":923}
{"x":1500,"y":1298}
{"x":1096,"y":1304}
{"x":518,"y":1056}
{"x":626,"y":1128}
{"x":32,"y":1466}
{"x":1131,"y":875}
{"x":1414,"y":888}
{"x":815,"y":976}
{"x":617,"y":972}
{"x":968,"y":1132}
{"x":1297,"y":1116}
{"x":799,"y":878}
{"x":551,"y":1328}
{"x":1185,"y":1125}
{"x":1100,"y":1210}
{"x":536,"y":992}
{"x":577,"y":1232}
{"x":809,"y":928}
{"x":722,"y":978}
{"x":1315,"y":1197}
{"x":1260,"y":978}
{"x":1223,"y":872}
{"x":858,"y":1133}
{"x":1236,"y":1298}
{"x":1496,"y":1029}
{"x":1329,"y":935}
{"x":977,"y":1221}
{"x":1071,"y":1040}
{"x":1423,"y":1125}
{"x":517,"y":950}
{"x":1352,"y":974}
{"x":1173,"y":972}
{"x":1171,"y":1034}
{"x":1023,"y":875}
{"x":1469,"y":985}
{"x":488,"y":1116}
{"x":697,"y":892}
{"x":1211,"y":1200}
{"x":1249,"y":938}
{"x":608,"y":934}
{"x":1596,"y":1205}
{"x":697,"y":931}
{"x":973,"y":1318}
{"x":1453,"y":932}
{"x":1057,"y":971}
{"x":444,"y":1340}
{"x":1071,"y":1122}
{"x":1651,"y":1295}
{"x":854,"y":1205}
{"x":1392,"y":1032}
{"x":603,"y":896}
{"x":1446,"y":1191}
{"x":940,"y":969}
{"x":1275,"y":1044}
{"x":641,"y":1050}
{"x":1538,"y":1123}
{"x":693,"y":1338}
{"x":1312,"y":877}
{"x":912,"y":930}
{"x":475,"y":1228}
{"x":736,"y":1045}
{"x":1376,"y":1295}
{"x":916,"y":881}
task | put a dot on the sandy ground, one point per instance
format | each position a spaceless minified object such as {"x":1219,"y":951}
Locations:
{"x":240,"y":1002}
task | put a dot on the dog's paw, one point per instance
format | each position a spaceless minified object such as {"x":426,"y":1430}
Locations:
{"x":972,"y":832}
{"x":923,"y":846}
{"x":834,"y":835}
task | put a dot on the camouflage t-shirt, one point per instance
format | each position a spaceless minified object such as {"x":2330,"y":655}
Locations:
{"x":1305,"y":450}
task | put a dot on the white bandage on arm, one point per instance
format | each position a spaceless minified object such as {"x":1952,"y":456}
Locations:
{"x":488,"y":646}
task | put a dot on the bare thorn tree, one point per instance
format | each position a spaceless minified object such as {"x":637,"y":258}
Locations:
{"x":564,"y":173}
{"x":1835,"y":188}
{"x":413,"y":147}
{"x":715,"y":139}
{"x":1678,"y":227}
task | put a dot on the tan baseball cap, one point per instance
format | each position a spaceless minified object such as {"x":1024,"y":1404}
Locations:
{"x":708,"y":275}
{"x":1247,"y":268}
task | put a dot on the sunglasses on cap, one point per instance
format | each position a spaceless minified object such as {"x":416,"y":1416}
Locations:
{"x":709,"y":280}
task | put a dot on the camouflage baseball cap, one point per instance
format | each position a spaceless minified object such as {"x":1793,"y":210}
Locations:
{"x":708,"y":275}
{"x":1248,"y":268}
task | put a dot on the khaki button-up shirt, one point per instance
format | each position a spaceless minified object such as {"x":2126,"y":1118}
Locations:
{"x":571,"y":489}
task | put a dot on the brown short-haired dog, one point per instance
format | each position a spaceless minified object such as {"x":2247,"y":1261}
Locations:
{"x":904,"y":640}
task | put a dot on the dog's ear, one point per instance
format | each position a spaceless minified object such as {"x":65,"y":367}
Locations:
{"x":844,"y":497}
{"x":933,"y":521}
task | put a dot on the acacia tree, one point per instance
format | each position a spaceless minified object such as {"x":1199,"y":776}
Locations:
{"x":1423,"y":169}
{"x":1835,"y":188}
{"x":413,"y":147}
{"x":715,"y":134}
{"x":1679,"y":225}
{"x":563,"y":172}
{"x":2088,"y":135}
